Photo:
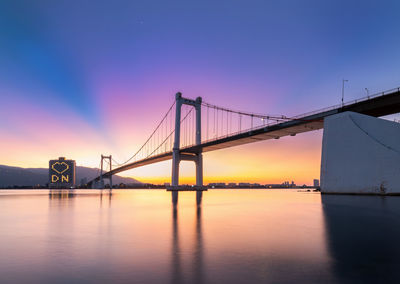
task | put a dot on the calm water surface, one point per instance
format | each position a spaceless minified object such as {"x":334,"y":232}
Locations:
{"x":223,"y":236}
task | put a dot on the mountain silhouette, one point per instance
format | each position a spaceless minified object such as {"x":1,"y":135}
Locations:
{"x":10,"y":176}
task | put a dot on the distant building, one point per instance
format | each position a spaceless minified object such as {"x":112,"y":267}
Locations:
{"x":217,"y":185}
{"x":316,"y":183}
{"x":62,"y":173}
{"x":271,"y":185}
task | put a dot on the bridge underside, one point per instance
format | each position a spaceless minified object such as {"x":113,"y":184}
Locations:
{"x":377,"y":106}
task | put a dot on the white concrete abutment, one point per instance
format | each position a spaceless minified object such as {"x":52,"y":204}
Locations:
{"x":360,"y":155}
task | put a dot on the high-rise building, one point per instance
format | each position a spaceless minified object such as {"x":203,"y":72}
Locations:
{"x":316,"y":183}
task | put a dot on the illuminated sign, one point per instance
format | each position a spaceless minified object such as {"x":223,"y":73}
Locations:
{"x":61,"y":173}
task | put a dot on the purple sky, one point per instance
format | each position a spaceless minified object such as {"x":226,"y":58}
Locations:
{"x":106,"y":71}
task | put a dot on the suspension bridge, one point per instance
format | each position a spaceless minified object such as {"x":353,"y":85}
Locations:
{"x":192,"y":127}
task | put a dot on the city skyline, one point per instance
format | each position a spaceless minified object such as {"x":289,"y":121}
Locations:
{"x":96,"y":80}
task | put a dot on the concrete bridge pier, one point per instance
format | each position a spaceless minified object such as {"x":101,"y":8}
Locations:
{"x":199,"y":169}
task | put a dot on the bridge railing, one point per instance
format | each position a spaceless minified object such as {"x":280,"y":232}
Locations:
{"x":380,"y":94}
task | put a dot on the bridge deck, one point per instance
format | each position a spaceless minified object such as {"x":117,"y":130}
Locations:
{"x":385,"y":104}
{"x":378,"y":106}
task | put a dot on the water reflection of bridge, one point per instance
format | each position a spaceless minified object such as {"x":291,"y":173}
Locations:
{"x":181,"y":270}
{"x":197,"y":259}
{"x":362,"y":234}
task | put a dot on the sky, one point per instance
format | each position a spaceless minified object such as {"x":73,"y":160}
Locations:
{"x":84,"y":78}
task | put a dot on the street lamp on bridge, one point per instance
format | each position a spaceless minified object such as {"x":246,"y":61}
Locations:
{"x":343,"y":91}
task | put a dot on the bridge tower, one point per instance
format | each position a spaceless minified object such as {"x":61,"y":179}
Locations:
{"x":109,"y":159}
{"x":177,"y":154}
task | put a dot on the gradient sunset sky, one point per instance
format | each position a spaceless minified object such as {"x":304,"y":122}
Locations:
{"x":81,"y":78}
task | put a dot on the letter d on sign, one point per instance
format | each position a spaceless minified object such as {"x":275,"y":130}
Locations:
{"x":54,"y":178}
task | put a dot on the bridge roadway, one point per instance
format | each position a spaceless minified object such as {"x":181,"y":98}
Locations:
{"x":382,"y":104}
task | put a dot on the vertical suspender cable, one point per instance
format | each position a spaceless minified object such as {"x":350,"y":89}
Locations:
{"x":184,"y":126}
{"x":222,"y":122}
{"x":158,"y":140}
{"x":207,"y":123}
{"x":190,"y":129}
{"x":194,"y":127}
{"x":214,"y":123}
{"x":227,"y":123}
{"x":230,"y":122}
{"x":170,"y":127}
{"x":217,"y":122}
{"x":187,"y":126}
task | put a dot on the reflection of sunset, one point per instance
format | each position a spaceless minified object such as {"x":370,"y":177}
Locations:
{"x":265,"y":225}
{"x":137,"y":233}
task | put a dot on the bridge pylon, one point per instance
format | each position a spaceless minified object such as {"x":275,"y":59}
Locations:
{"x":109,"y":160}
{"x":177,"y":154}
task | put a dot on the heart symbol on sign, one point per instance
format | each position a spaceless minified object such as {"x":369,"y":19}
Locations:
{"x":60,"y":168}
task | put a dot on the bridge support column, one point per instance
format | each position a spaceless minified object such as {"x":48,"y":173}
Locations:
{"x":175,"y":168}
{"x":177,"y":156}
{"x":199,"y":160}
{"x":177,"y":141}
{"x":109,"y":158}
{"x":199,"y":169}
